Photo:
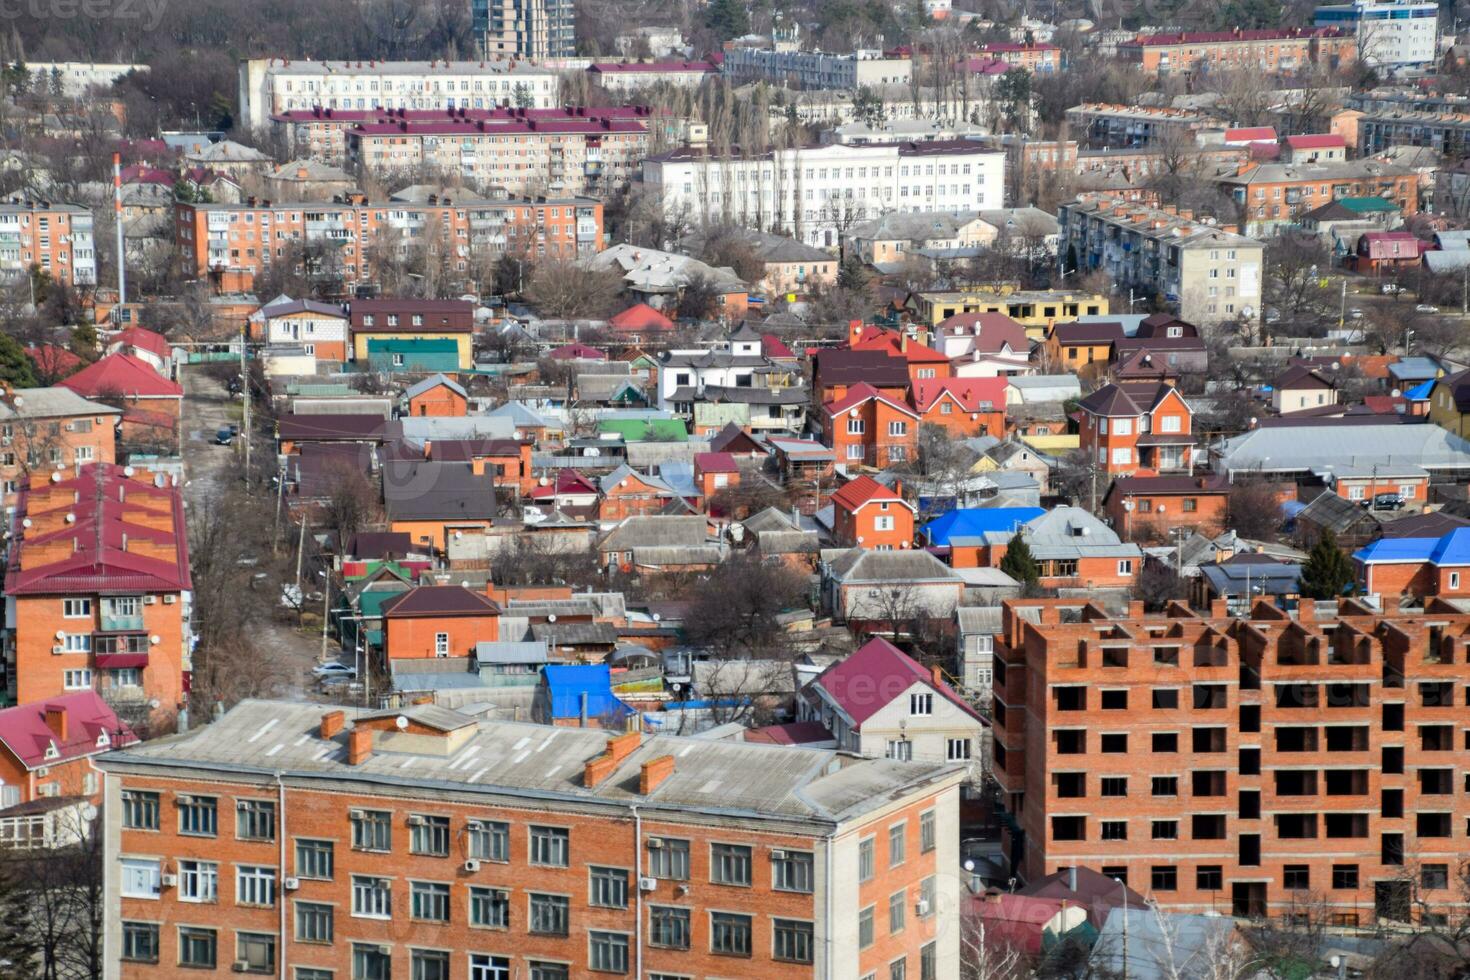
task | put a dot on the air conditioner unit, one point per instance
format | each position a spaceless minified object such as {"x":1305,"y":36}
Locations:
{"x":385,"y":950}
{"x":169,"y":600}
{"x":43,"y":772}
{"x":647,"y":884}
{"x":355,"y":814}
{"x":149,"y":600}
{"x":921,"y":907}
{"x":778,"y":855}
{"x":472,"y":865}
{"x":414,"y":820}
{"x":292,"y":884}
{"x":185,"y":799}
{"x":168,"y":880}
{"x":654,"y":843}
{"x":58,"y":649}
{"x":241,"y":966}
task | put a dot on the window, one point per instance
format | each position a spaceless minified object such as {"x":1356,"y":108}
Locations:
{"x":896,"y":903}
{"x":489,"y":840}
{"x":140,"y":810}
{"x":865,"y":859}
{"x":371,"y":962}
{"x":957,"y":749}
{"x":486,"y":967}
{"x":883,"y":523}
{"x":255,"y":885}
{"x":313,"y":922}
{"x":793,"y":941}
{"x":314,"y":859}
{"x":928,"y":962}
{"x":197,"y":947}
{"x":899,"y":748}
{"x":76,"y":608}
{"x":1296,"y":876}
{"x":489,"y":907}
{"x":139,"y":878}
{"x":1166,"y":830}
{"x":428,"y":901}
{"x":255,"y":820}
{"x":1125,"y":566}
{"x":668,"y":858}
{"x":865,"y":928}
{"x":791,"y":871}
{"x":140,"y":942}
{"x":198,"y":881}
{"x":1115,"y":786}
{"x":1434,"y":876}
{"x":372,"y":897}
{"x":898,"y":970}
{"x":76,"y":680}
{"x":729,"y":934}
{"x":921,"y":704}
{"x":730,"y":864}
{"x":428,"y":964}
{"x":854,"y":427}
{"x":1164,"y":878}
{"x":548,"y":971}
{"x":1115,"y":830}
{"x":428,"y":835}
{"x":1345,"y":876}
{"x":896,"y":844}
{"x":257,"y":950}
{"x":549,"y":914}
{"x":668,"y":927}
{"x":609,"y":887}
{"x":372,"y":830}
{"x":926,"y":831}
{"x":76,"y":643}
{"x":607,"y":952}
{"x":898,"y":428}
{"x":441,"y":644}
{"x":549,"y":846}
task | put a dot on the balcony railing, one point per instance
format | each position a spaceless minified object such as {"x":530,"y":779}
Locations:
{"x":120,"y":623}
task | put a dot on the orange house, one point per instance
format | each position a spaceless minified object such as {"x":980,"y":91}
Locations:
{"x":714,"y":472}
{"x":1133,"y":428}
{"x":47,"y":747}
{"x":866,"y":514}
{"x":507,"y":460}
{"x":1073,"y":346}
{"x":43,"y":428}
{"x":922,"y":362}
{"x":963,"y":406}
{"x":1153,"y":506}
{"x":437,"y":396}
{"x":438,"y":621}
{"x":628,"y":493}
{"x":866,"y":428}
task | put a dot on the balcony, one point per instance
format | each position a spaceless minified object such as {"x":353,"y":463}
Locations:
{"x":120,"y":622}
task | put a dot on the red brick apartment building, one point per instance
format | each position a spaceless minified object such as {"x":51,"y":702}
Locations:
{"x":1272,"y":51}
{"x":1239,"y":764}
{"x":313,"y":842}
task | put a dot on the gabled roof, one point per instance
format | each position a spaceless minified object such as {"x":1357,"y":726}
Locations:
{"x":122,"y":374}
{"x":356,"y":428}
{"x":432,"y":382}
{"x":439,"y":600}
{"x":972,"y":394}
{"x":715,"y":463}
{"x":1297,"y":377}
{"x":418,"y":490}
{"x":864,"y":490}
{"x":50,"y":403}
{"x":576,"y":352}
{"x":851,"y":367}
{"x":733,"y":439}
{"x":145,"y":340}
{"x":862,"y":392}
{"x":1091,"y":334}
{"x":640,"y":317}
{"x":1316,"y":141}
{"x":996,"y":331}
{"x":875,"y":674}
{"x":895,"y":344}
{"x":23,"y":730}
{"x":611,"y":481}
{"x":976,"y":522}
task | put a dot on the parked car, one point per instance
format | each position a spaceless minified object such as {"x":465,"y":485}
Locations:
{"x":333,"y":670}
{"x":1385,"y":501}
{"x":225,"y":436}
{"x":1390,"y":289}
{"x":1426,"y":308}
{"x":1355,"y":314}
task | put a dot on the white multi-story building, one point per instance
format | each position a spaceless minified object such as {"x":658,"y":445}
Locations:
{"x":76,"y":78}
{"x":273,"y":85}
{"x":817,"y":193}
{"x":1390,"y":32}
{"x":816,"y":69}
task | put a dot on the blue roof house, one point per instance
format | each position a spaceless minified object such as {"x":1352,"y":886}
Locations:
{"x":578,"y":696}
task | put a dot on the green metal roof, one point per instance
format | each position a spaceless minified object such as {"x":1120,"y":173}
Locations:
{"x":646,"y":430}
{"x":1364,"y":205}
{"x":319,"y":390}
{"x":414,"y":345}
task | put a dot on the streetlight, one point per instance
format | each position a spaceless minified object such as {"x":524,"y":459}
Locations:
{"x":1123,"y":887}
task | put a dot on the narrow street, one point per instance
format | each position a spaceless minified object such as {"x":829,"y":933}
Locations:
{"x":209,"y":407}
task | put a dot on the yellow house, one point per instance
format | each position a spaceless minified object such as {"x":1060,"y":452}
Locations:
{"x":411,"y":319}
{"x":1449,"y":403}
{"x":1033,"y":310}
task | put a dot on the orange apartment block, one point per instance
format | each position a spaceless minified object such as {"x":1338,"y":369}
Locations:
{"x":866,"y":514}
{"x":425,"y":842}
{"x":232,"y":243}
{"x":53,"y":238}
{"x":99,"y":579}
{"x":866,"y":428}
{"x":439,"y":621}
{"x":1137,"y":428}
{"x":1155,"y":506}
{"x":48,"y":748}
{"x":1273,"y":51}
{"x":1273,"y":194}
{"x":1237,"y":764}
{"x":1033,"y":57}
{"x":43,"y":429}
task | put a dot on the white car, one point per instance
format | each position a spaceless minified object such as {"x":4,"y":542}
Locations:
{"x":334,"y":669}
{"x":1390,"y":289}
{"x":1426,"y":308}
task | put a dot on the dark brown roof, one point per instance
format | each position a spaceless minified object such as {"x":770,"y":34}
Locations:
{"x":1297,"y":376}
{"x":462,"y":450}
{"x":850,"y":367}
{"x":1145,"y":486}
{"x":372,"y":545}
{"x":358,"y":428}
{"x":1088,"y":333}
{"x":440,"y":600}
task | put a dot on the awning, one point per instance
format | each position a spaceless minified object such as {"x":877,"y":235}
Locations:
{"x":118,"y":661}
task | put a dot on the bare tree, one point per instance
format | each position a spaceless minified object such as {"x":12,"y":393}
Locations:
{"x":566,"y":290}
{"x":987,"y":957}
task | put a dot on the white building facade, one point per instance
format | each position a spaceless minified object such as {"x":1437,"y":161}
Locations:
{"x":1390,"y":32}
{"x":272,"y":85}
{"x":817,"y":194}
{"x":816,"y":69}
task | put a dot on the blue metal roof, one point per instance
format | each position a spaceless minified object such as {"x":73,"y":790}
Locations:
{"x":1397,"y":549}
{"x":568,"y":682}
{"x":1420,"y":392}
{"x":1453,"y":548}
{"x":973,"y":522}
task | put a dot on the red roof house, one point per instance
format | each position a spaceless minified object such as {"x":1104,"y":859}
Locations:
{"x":964,"y":406}
{"x":866,"y":514}
{"x":46,"y":747}
{"x":576,"y":352}
{"x":640,"y":319}
{"x":156,"y":401}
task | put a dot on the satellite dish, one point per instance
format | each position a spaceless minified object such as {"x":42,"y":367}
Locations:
{"x":155,"y":639}
{"x":127,"y":471}
{"x":61,"y":634}
{"x":89,"y":812}
{"x":401,"y":722}
{"x":55,"y":477}
{"x":657,"y":618}
{"x":551,"y":618}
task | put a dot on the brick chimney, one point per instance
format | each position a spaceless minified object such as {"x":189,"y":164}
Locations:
{"x":598,"y":769}
{"x":359,"y":746}
{"x":619,"y":747}
{"x":653,"y":773}
{"x":936,"y":674}
{"x":333,"y":723}
{"x":56,"y":721}
{"x":854,"y":331}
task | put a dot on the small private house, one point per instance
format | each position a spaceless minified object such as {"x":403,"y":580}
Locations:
{"x":411,"y":355}
{"x":320,"y":328}
{"x":391,"y":320}
{"x":1299,"y":388}
{"x":438,"y":621}
{"x":962,"y":406}
{"x":1395,"y":569}
{"x":881,"y":703}
{"x":579,"y":696}
{"x":47,"y":748}
{"x":1155,"y":506}
{"x":866,"y":514}
{"x":437,"y":395}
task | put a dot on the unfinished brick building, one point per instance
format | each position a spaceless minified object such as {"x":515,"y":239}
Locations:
{"x":1316,"y":760}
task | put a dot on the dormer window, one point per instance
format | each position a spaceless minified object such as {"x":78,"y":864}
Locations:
{"x":52,"y":752}
{"x":102,"y":740}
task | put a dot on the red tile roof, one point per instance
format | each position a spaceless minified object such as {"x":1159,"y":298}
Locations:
{"x":995,"y":331}
{"x":53,"y":359}
{"x":896,"y":345}
{"x":873,"y":676}
{"x":640,"y":316}
{"x":147,"y":340}
{"x":23,"y":729}
{"x":1316,"y":141}
{"x":1223,"y":37}
{"x":860,"y":393}
{"x":771,"y":346}
{"x":576,"y":352}
{"x":1250,"y":134}
{"x":569,"y":482}
{"x":861,"y":491}
{"x":122,"y":374}
{"x":715,"y":463}
{"x":791,"y":733}
{"x":101,"y":526}
{"x":971,"y":393}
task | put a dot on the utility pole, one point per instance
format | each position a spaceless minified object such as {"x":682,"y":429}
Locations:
{"x":300,"y":550}
{"x":117,"y":217}
{"x":326,"y":617}
{"x":245,"y":394}
{"x":1342,"y":308}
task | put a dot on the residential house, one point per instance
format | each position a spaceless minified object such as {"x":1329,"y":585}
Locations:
{"x":1133,"y":428}
{"x":151,"y":348}
{"x":1155,"y":507}
{"x":659,"y":278}
{"x":888,"y":591}
{"x":640,"y":323}
{"x":1449,"y":403}
{"x":627,"y":493}
{"x":1414,"y":568}
{"x":99,"y":587}
{"x":409,"y":319}
{"x":736,"y":370}
{"x":43,"y":429}
{"x":868,"y":428}
{"x":320,"y":328}
{"x":975,"y":537}
{"x":790,"y":266}
{"x":438,"y":621}
{"x":1300,"y":388}
{"x":835,"y":371}
{"x":1037,"y":311}
{"x":509,"y":461}
{"x":437,"y":395}
{"x":47,"y":750}
{"x":1242,"y":580}
{"x":432,"y":500}
{"x":1076,"y":345}
{"x":867,"y":514}
{"x":1076,"y":550}
{"x":1282,"y":448}
{"x":923,"y":362}
{"x":412,"y":355}
{"x":151,"y":404}
{"x":962,"y":406}
{"x":879,"y":702}
{"x":984,"y":345}
{"x":1387,"y":251}
{"x":568,"y":491}
{"x":642,"y":542}
{"x":1314,"y":148}
{"x":714,"y":472}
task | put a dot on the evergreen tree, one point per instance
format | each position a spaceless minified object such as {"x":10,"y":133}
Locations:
{"x":1019,"y":563}
{"x":1326,"y":572}
{"x":83,"y":341}
{"x":728,"y":18}
{"x":18,"y":946}
{"x":852,"y":275}
{"x":16,"y":369}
